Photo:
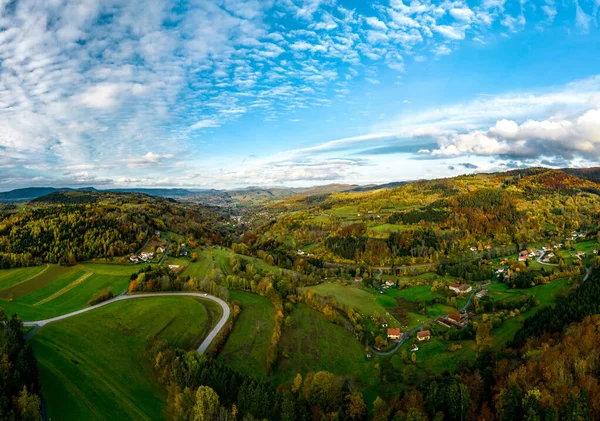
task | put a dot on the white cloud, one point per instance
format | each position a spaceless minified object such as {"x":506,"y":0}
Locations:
{"x":203,"y":124}
{"x":463,"y":14}
{"x":375,"y":23}
{"x":150,"y":159}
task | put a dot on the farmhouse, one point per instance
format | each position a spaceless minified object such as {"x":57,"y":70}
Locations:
{"x":473,"y":249}
{"x":358,"y":278}
{"x":481,"y":293}
{"x":390,"y":283}
{"x":300,"y":253}
{"x":424,"y":335}
{"x":459,"y":288}
{"x":394,"y":333}
{"x":414,"y":348}
{"x":174,"y":267}
{"x":457,"y":319}
{"x":383,"y":322}
{"x":134,"y":258}
{"x":146,"y":256}
{"x":523,"y":256}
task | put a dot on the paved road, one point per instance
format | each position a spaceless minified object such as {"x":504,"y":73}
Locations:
{"x":165,"y":252}
{"x":201,"y":349}
{"x":407,"y":335}
{"x":539,"y":259}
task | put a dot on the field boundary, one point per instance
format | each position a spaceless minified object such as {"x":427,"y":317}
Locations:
{"x":30,"y":278}
{"x":64,"y":290}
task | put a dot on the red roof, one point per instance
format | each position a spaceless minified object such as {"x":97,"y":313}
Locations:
{"x":423,"y":334}
{"x":394,"y":331}
{"x":454,"y":316}
{"x":382,"y":321}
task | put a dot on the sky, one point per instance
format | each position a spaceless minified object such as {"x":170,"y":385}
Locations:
{"x":234,"y":93}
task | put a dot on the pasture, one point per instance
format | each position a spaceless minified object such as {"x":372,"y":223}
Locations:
{"x":59,"y":290}
{"x":12,"y":277}
{"x":313,"y":343}
{"x":363,"y":301}
{"x":93,"y":366}
{"x":246,"y":347}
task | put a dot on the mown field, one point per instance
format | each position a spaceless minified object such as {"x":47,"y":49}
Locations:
{"x":352,"y":295}
{"x":93,"y":366}
{"x":312,"y":343}
{"x":246,"y":347}
{"x":57,"y":290}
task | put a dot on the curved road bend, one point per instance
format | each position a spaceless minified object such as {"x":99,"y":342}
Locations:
{"x":201,"y":349}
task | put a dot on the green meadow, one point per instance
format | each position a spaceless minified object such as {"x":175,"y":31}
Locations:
{"x":59,"y":290}
{"x":93,"y":366}
{"x":246,"y":347}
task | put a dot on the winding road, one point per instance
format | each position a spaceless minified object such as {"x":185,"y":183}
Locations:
{"x":201,"y":349}
{"x":407,"y":335}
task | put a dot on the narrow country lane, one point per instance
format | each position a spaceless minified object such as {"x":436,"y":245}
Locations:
{"x":201,"y":349}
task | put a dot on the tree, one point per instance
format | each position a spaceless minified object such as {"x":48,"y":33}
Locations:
{"x":413,"y":357}
{"x":29,"y":406}
{"x":483,"y":335}
{"x":324,"y":391}
{"x":297,"y":383}
{"x":355,"y":408}
{"x":207,"y":404}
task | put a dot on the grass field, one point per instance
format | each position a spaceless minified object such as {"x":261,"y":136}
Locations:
{"x":353,"y":296}
{"x":43,"y":278}
{"x":93,"y":367}
{"x":63,"y":290}
{"x":314,"y":344}
{"x":387,"y":228}
{"x":246,"y":347}
{"x":11,"y":277}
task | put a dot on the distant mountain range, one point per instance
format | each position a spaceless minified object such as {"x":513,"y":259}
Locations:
{"x":244,"y":196}
{"x":30,"y":193}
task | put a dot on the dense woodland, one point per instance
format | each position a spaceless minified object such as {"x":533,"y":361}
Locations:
{"x":19,"y":383}
{"x":53,"y":230}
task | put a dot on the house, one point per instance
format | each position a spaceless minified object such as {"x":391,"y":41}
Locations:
{"x":523,"y":256}
{"x":481,"y":293}
{"x":145,"y":256}
{"x":390,"y":283}
{"x":473,"y":249}
{"x":368,"y":355}
{"x":377,"y":347}
{"x":174,"y":267}
{"x":134,"y":258}
{"x":457,"y":319}
{"x":595,"y":251}
{"x":500,"y":271}
{"x":488,"y":247}
{"x":394,"y":333}
{"x":358,"y":278}
{"x":424,"y":335}
{"x":300,"y":253}
{"x":459,"y":288}
{"x":557,"y":246}
{"x":382,"y":322}
{"x":414,"y":348}
{"x":157,"y":233}
{"x":160,"y":250}
{"x":547,"y":247}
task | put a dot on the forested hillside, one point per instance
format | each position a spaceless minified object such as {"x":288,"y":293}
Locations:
{"x":424,"y":221}
{"x":69,"y":226}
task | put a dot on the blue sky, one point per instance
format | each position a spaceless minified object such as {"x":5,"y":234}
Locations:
{"x":230,"y":93}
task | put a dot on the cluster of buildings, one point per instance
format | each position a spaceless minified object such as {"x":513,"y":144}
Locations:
{"x":454,"y":319}
{"x":144,"y":256}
